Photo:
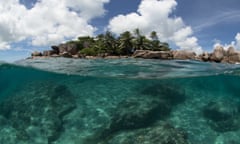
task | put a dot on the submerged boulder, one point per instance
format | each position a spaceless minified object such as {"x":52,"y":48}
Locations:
{"x":40,"y":108}
{"x":163,"y":133}
{"x":155,"y":103}
{"x":222,"y":116}
{"x":170,"y":93}
{"x":137,"y":112}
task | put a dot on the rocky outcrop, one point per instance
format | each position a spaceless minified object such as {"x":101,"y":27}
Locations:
{"x":65,"y":54}
{"x":233,"y":55}
{"x":70,"y":48}
{"x":153,"y":54}
{"x":67,"y":50}
{"x":49,"y":53}
{"x":205,"y":56}
{"x":223,"y":116}
{"x":36,"y":53}
{"x":218,"y":54}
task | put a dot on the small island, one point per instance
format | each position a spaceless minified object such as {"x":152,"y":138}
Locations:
{"x":135,"y":45}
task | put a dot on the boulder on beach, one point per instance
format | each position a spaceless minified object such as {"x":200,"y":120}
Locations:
{"x":218,"y":54}
{"x":70,"y":48}
{"x":184,"y":54}
{"x":36,"y":53}
{"x":205,"y":56}
{"x":66,"y":55}
{"x":147,"y":54}
{"x":233,"y":56}
{"x":49,"y":53}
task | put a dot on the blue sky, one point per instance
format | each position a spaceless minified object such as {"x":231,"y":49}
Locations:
{"x":198,"y":25}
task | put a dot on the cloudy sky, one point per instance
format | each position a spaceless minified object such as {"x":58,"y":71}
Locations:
{"x":198,"y":25}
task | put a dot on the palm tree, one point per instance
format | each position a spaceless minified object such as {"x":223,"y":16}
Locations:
{"x":154,"y":41}
{"x":153,"y":35}
{"x":85,"y":42}
{"x":139,"y":42}
{"x":164,"y":46}
{"x":110,"y":43}
{"x":125,"y":43}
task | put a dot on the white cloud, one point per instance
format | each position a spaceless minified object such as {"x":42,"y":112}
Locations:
{"x":4,"y":46}
{"x":48,"y":22}
{"x":155,"y":15}
{"x":237,"y":38}
{"x":235,"y":43}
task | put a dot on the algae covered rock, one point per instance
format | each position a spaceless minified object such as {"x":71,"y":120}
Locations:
{"x":167,"y":92}
{"x":222,"y":115}
{"x":155,"y":103}
{"x":139,"y":112}
{"x":134,"y":113}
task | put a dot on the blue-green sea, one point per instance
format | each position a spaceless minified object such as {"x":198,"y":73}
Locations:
{"x":119,"y":101}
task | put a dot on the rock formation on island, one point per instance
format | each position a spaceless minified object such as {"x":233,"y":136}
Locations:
{"x":219,"y":54}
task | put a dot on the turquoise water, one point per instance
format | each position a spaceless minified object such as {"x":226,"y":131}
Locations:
{"x":126,"y":101}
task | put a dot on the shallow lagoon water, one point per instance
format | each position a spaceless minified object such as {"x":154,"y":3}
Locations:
{"x":74,"y":101}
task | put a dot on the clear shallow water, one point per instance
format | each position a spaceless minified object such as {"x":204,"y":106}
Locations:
{"x":68,"y":101}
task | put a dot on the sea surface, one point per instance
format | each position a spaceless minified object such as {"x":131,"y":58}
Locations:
{"x":119,"y":101}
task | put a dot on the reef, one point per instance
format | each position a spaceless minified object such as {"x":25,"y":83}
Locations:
{"x":223,"y":116}
{"x":36,"y":113}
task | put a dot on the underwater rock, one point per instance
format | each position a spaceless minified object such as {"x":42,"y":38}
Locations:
{"x":163,"y":133}
{"x":136,"y":113}
{"x":170,"y":93}
{"x":222,"y":116}
{"x":40,"y":106}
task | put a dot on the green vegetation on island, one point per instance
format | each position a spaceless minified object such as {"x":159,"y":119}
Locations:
{"x":133,"y":44}
{"x":124,"y":44}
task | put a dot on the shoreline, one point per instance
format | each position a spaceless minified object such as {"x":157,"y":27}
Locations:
{"x":219,"y":55}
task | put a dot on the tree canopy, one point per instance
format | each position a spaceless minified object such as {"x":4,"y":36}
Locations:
{"x":124,"y":44}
